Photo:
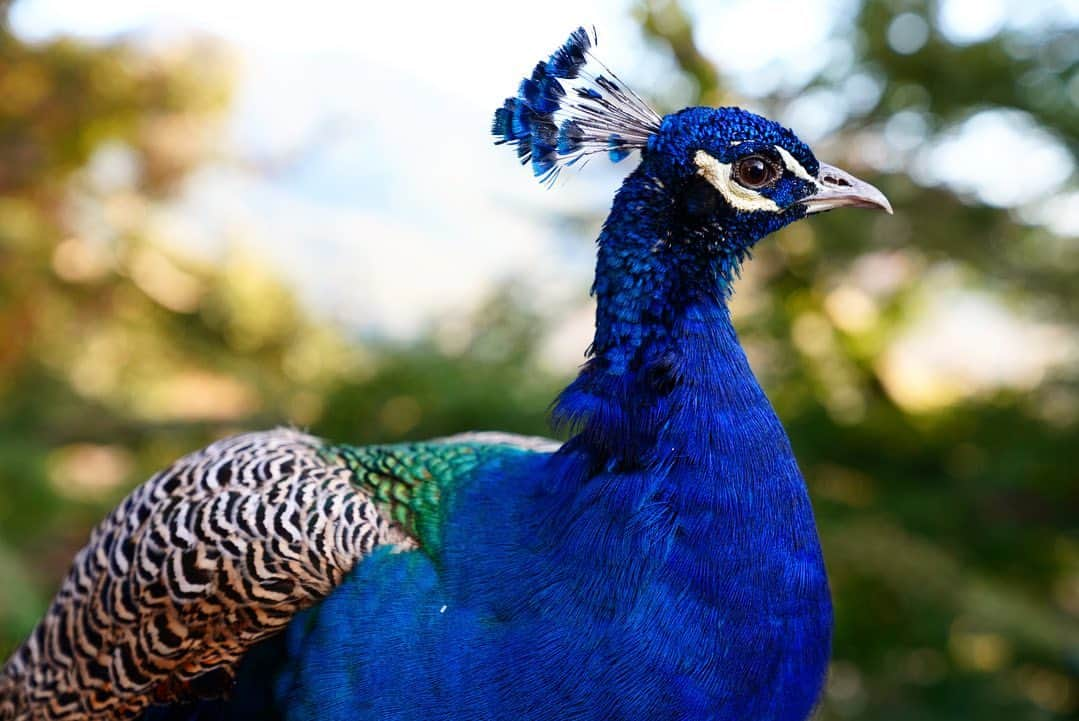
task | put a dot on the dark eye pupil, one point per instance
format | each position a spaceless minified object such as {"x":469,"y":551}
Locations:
{"x":754,"y":172}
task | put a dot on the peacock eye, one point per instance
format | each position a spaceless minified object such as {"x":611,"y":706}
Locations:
{"x":755,"y":171}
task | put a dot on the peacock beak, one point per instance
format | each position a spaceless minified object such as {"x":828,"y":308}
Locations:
{"x":839,"y":189}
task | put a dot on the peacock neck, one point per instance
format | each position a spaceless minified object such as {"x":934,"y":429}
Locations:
{"x":676,"y":442}
{"x":679,"y":458}
{"x":667,"y":378}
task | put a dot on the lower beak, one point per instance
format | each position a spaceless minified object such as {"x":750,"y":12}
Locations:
{"x":839,"y":189}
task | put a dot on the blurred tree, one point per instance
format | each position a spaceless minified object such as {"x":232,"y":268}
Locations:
{"x":949,"y":521}
{"x":99,"y":326}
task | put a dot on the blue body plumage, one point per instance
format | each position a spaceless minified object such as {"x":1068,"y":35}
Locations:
{"x":663,"y":563}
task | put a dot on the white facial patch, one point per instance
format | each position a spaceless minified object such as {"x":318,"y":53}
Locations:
{"x":737,"y":196}
{"x":794,"y":166}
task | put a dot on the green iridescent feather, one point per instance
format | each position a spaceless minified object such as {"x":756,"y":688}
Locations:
{"x":411,"y":480}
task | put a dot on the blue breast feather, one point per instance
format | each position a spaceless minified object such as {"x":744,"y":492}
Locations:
{"x":664,"y":564}
{"x":695,"y":593}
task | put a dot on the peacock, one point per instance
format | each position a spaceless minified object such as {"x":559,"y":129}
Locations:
{"x":662,"y":563}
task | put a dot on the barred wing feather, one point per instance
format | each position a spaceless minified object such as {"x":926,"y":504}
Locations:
{"x":210,"y":556}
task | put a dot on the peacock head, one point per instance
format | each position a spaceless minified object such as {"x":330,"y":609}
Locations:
{"x":729,"y":176}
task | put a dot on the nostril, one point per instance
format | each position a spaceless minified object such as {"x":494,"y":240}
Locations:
{"x":836,"y":180}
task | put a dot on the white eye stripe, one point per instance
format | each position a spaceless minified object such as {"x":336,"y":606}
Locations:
{"x":737,"y":196}
{"x":793,"y":165}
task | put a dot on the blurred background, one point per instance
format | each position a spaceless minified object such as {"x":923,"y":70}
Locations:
{"x":224,"y":216}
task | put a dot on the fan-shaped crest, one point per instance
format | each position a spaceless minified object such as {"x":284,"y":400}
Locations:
{"x":571,"y":107}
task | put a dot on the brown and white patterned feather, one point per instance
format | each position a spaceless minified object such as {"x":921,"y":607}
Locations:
{"x":203,"y":560}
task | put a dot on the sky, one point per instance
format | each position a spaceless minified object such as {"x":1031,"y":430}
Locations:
{"x":401,"y":209}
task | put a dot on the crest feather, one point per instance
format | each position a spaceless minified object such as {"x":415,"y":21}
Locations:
{"x":554,"y":126}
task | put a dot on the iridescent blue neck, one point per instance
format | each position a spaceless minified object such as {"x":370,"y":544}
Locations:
{"x":681,"y":460}
{"x":664,"y":340}
{"x":647,"y":272}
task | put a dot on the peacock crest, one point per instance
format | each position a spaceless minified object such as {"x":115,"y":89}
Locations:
{"x":572,"y":107}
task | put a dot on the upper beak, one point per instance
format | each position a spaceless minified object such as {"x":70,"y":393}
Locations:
{"x":839,"y":189}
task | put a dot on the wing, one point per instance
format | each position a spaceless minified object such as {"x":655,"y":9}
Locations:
{"x":216,"y":553}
